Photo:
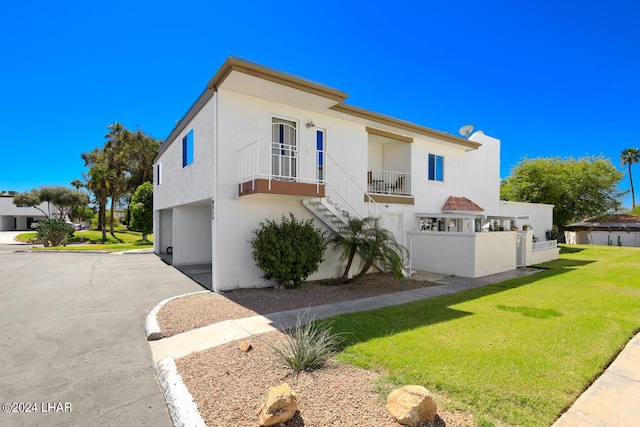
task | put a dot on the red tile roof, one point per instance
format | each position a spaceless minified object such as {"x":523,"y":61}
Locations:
{"x":460,"y":204}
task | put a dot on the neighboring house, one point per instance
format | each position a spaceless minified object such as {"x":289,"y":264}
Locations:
{"x":259,"y":143}
{"x":609,"y":229}
{"x":14,"y":217}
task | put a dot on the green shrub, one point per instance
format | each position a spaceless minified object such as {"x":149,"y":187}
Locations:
{"x":53,"y":232}
{"x":288,"y":252}
{"x":308,"y":346}
{"x":555,"y":234}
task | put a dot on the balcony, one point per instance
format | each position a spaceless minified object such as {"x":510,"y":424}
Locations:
{"x":277,"y":168}
{"x":389,"y":186}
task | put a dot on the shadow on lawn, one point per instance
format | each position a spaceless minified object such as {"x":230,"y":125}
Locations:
{"x":391,"y":320}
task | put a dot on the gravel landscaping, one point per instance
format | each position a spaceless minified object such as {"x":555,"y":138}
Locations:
{"x":227,"y":383}
{"x":202,"y":309}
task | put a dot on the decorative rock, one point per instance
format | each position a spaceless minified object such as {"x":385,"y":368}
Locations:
{"x":279,"y":405}
{"x":245,"y":346}
{"x":411,"y":405}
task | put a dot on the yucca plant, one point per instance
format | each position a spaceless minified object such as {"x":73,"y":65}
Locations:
{"x":308,"y":345}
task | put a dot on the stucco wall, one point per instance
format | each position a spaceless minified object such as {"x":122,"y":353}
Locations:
{"x":191,"y":235}
{"x":237,"y":219}
{"x":631,"y":239}
{"x":194,"y":182}
{"x":540,"y":215}
{"x":9,"y":211}
{"x":464,"y":254}
{"x":231,"y":120}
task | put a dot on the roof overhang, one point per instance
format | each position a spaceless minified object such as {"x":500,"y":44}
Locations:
{"x":255,"y":79}
{"x":376,"y":118}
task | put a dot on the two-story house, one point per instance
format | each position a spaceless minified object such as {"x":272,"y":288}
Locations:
{"x":259,"y":143}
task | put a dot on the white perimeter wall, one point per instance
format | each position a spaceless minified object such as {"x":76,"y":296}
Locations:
{"x":464,"y":254}
{"x":603,"y":237}
{"x":540,"y":215}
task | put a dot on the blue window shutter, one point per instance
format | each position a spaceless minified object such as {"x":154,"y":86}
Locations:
{"x":432,"y":167}
{"x":190,"y":147}
{"x":439,"y":168}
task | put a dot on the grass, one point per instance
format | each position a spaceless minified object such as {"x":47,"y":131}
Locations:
{"x":516,"y":353}
{"x":124,"y":240}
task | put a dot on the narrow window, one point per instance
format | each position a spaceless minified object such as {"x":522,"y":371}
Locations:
{"x":436,"y":168}
{"x":159,"y":174}
{"x":187,"y":149}
{"x":320,"y":151}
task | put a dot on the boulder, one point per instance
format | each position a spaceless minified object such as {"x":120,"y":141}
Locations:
{"x":245,"y":346}
{"x":279,"y":405}
{"x":411,"y":405}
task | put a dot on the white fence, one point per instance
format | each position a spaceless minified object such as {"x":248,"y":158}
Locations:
{"x":544,"y":245}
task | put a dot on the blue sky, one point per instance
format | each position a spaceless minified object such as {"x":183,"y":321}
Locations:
{"x":547,"y":78}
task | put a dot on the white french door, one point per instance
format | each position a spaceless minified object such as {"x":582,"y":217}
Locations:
{"x":284,"y":149}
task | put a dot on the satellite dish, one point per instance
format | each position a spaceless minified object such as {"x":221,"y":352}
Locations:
{"x":466,"y":130}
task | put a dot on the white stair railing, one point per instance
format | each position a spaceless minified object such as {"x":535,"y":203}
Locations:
{"x":358,"y":203}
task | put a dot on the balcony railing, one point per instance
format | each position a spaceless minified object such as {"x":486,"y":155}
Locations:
{"x":544,"y":245}
{"x":274,"y":161}
{"x":388,"y":182}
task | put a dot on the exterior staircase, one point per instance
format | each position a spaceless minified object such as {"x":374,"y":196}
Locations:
{"x":346,"y":198}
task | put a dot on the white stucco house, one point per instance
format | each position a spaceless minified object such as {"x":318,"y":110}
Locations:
{"x":14,"y":217}
{"x":259,"y":143}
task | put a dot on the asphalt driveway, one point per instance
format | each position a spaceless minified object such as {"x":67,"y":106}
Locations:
{"x":72,"y":343}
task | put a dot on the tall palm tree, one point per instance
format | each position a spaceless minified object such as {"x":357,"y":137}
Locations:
{"x":77,"y":184}
{"x":630,"y":156}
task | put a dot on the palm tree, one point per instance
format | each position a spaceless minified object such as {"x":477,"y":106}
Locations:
{"x":374,"y":243}
{"x":630,"y":156}
{"x":380,"y":246}
{"x":350,"y":241}
{"x":77,"y":184}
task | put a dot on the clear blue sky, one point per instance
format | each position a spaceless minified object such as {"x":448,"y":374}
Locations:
{"x":547,"y":78}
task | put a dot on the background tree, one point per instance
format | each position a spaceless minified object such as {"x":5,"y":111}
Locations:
{"x":629,"y":156}
{"x":77,"y":184}
{"x":115,"y":157}
{"x":128,"y":156}
{"x":99,"y":179}
{"x":63,"y":199}
{"x":142,"y":210}
{"x":53,"y":232}
{"x":578,"y":188}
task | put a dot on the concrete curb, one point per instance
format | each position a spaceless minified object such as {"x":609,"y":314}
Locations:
{"x":151,"y":328}
{"x":182,"y":408}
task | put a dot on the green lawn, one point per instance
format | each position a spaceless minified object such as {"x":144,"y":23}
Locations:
{"x":124,"y":240}
{"x":514,"y":353}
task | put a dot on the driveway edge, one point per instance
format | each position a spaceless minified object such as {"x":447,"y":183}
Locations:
{"x":182,"y":408}
{"x":151,"y":326}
